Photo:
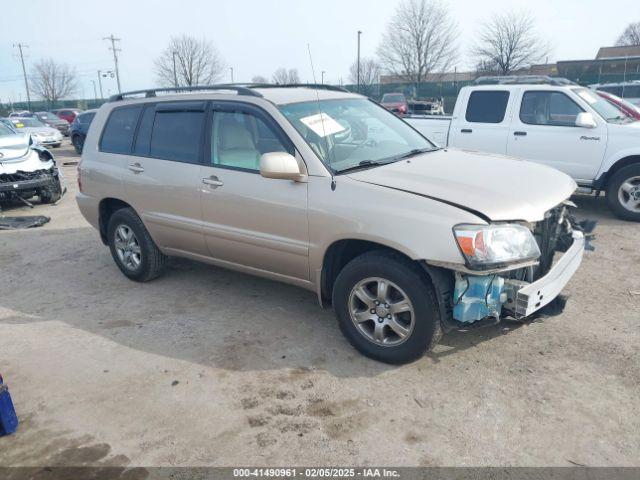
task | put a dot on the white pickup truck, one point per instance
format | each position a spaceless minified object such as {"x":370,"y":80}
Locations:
{"x":558,"y":124}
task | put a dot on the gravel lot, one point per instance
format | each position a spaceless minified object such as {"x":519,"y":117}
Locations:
{"x":210,"y":367}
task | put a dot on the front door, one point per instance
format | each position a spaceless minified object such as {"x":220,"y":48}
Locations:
{"x":249,"y":220}
{"x":544,"y":130}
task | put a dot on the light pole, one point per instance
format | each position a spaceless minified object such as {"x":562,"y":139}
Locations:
{"x":322,"y":77}
{"x":231,"y":68}
{"x":95,"y":93}
{"x":358,"y":86}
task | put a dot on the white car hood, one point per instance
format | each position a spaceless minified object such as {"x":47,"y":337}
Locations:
{"x":495,"y":187}
{"x":13,"y":147}
{"x":40,"y":130}
{"x":17,"y":156}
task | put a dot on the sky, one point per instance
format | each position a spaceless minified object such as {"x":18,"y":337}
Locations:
{"x":256,"y":37}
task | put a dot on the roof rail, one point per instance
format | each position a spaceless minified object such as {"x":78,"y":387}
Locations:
{"x":240,"y":89}
{"x":317,"y":86}
{"x":522,"y":79}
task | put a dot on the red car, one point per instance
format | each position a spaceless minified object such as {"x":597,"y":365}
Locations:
{"x":627,"y":107}
{"x":395,"y":102}
{"x":68,"y":114}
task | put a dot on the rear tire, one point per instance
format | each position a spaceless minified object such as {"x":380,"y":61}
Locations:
{"x":623,"y":193}
{"x":136,"y":255}
{"x":394,"y":324}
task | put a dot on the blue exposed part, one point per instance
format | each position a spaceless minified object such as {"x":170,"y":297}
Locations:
{"x":8,"y":418}
{"x":477,"y":297}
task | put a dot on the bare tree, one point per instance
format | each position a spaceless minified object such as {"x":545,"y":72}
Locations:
{"x":259,"y":79}
{"x":52,"y":81}
{"x":419,"y":39}
{"x":369,"y":74}
{"x":189,"y":61}
{"x":509,"y":42}
{"x":281,"y":76}
{"x":630,"y":36}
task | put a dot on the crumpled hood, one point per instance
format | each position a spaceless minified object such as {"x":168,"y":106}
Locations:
{"x":13,"y":147}
{"x":494,"y":186}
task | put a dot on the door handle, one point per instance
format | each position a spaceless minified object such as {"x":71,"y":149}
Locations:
{"x":520,"y":134}
{"x":466,"y":130}
{"x":212,"y":181}
{"x":136,"y":168}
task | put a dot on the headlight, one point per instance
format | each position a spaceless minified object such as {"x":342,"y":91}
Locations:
{"x":490,"y":245}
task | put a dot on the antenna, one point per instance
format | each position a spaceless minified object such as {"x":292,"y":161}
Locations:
{"x":326,"y":142}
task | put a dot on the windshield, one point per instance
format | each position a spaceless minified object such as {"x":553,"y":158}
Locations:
{"x":48,"y":116}
{"x":354,"y":132}
{"x":4,"y":130}
{"x":27,"y":122}
{"x":393,"y":98}
{"x":606,"y":110}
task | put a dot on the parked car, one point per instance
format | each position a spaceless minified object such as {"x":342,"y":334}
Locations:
{"x":52,"y":120}
{"x":555,"y":123}
{"x":26,"y":169}
{"x":40,"y":133}
{"x":68,"y":114}
{"x":629,"y":91}
{"x":23,"y":114}
{"x":627,"y":108}
{"x":79,"y":129}
{"x":395,"y":102}
{"x":326,"y":190}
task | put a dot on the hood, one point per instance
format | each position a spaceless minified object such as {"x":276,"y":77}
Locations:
{"x":39,"y":130}
{"x":494,"y":187}
{"x":13,"y":147}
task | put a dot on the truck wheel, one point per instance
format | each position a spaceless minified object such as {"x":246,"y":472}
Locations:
{"x":132,"y":248}
{"x":623,"y":193}
{"x":386,"y":308}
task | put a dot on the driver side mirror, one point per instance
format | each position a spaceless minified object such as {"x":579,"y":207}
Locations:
{"x":281,"y":165}
{"x":586,"y":120}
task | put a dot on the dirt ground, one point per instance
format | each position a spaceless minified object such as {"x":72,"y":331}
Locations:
{"x":209,"y":367}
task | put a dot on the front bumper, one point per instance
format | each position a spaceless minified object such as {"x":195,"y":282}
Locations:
{"x":26,"y":183}
{"x":529,"y":298}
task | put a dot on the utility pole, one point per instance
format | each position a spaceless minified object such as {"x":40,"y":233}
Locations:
{"x":24,"y":71}
{"x":359,"y":33}
{"x":100,"y":83}
{"x":115,"y":51}
{"x":175,"y":75}
{"x":231,"y":68}
{"x":322,"y":76}
{"x":95,"y":93}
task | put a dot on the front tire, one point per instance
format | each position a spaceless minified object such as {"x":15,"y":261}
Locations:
{"x":623,"y":193}
{"x":132,"y":248}
{"x":386,"y":307}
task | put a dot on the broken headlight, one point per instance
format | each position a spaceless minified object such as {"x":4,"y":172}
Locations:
{"x":491,"y":245}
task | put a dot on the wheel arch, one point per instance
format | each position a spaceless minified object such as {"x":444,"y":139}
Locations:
{"x":602,"y":182}
{"x":107,"y":207}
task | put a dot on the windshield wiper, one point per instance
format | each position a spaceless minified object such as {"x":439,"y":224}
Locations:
{"x":363,"y":164}
{"x":414,"y":152}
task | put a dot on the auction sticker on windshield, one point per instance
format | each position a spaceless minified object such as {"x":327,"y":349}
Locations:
{"x":322,"y":124}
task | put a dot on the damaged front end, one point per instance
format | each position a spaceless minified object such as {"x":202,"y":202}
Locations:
{"x":481,"y":296}
{"x":33,"y":174}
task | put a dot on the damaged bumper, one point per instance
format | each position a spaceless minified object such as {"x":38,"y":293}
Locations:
{"x":523,"y":300}
{"x":25,"y":184}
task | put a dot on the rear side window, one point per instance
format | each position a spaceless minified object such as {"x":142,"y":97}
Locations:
{"x":86,"y":118}
{"x":176,"y":135}
{"x":118,"y":133}
{"x":632,"y":91}
{"x":143,"y":140}
{"x":487,"y":106}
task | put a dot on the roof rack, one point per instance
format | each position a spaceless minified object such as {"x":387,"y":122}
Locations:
{"x":240,"y":89}
{"x":317,"y":86}
{"x":522,"y":79}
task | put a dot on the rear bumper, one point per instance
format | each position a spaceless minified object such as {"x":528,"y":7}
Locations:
{"x":534,"y":296}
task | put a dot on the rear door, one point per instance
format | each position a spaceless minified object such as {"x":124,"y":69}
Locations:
{"x":484,"y":125}
{"x":544,"y":130}
{"x":162,"y":173}
{"x":250,"y":220}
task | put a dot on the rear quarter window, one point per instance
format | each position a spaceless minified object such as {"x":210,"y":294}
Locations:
{"x":119,"y":130}
{"x":487,"y":106}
